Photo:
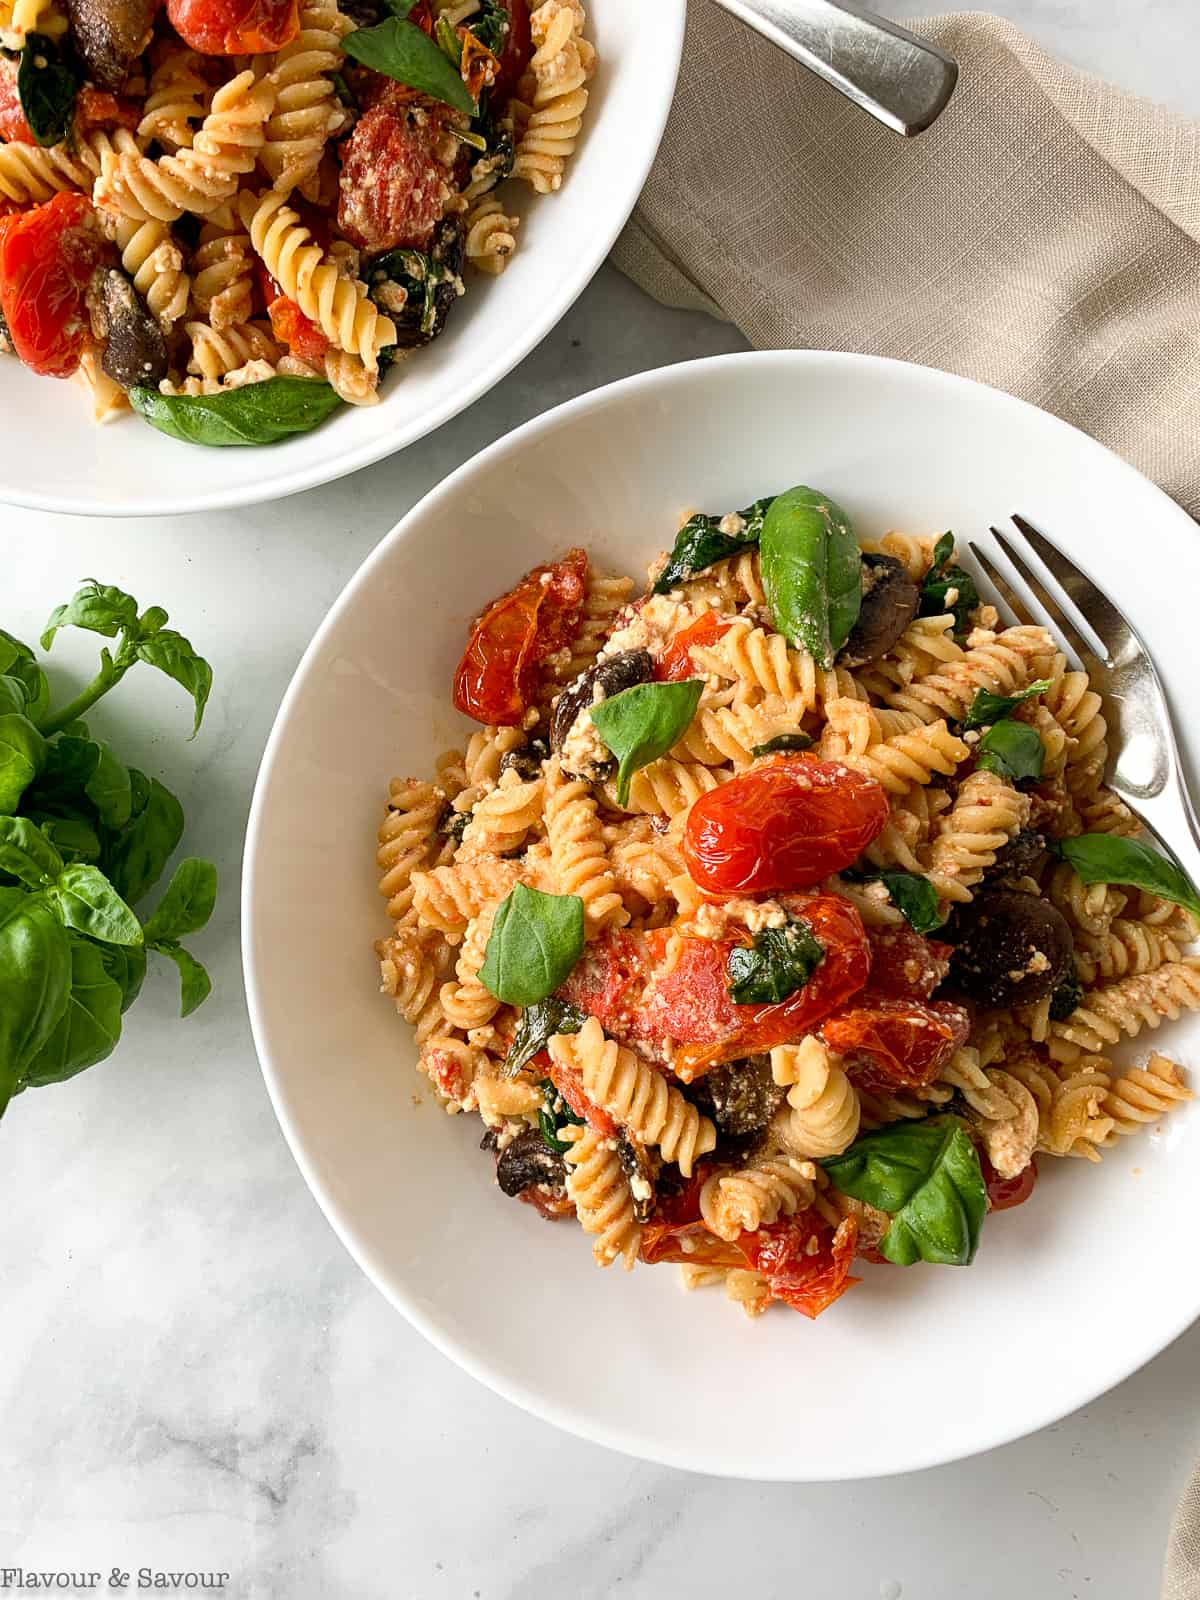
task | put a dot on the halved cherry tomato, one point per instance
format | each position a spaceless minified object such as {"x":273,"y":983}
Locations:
{"x":301,"y":335}
{"x":13,"y":127}
{"x":395,"y":171}
{"x":96,"y":108}
{"x":675,"y":664}
{"x":890,"y":1043}
{"x":570,"y":1085}
{"x":554,"y":1207}
{"x":234,"y":27}
{"x":786,"y":824}
{"x":906,"y":964}
{"x":47,"y":258}
{"x":496,"y":678}
{"x":514,"y":57}
{"x":1004,"y":1193}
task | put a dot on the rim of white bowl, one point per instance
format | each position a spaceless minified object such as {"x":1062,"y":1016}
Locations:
{"x":588,"y":264}
{"x":596,"y":1431}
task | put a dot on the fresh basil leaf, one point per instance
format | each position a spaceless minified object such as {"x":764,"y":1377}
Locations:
{"x":134,"y":857}
{"x":944,"y":577}
{"x":152,"y":620}
{"x":35,"y":980}
{"x":988,"y":707}
{"x":18,"y":662}
{"x":535,"y":941}
{"x":1067,"y":995}
{"x":22,"y":752}
{"x":126,"y":966}
{"x":98,"y":607}
{"x":700,"y":543}
{"x":171,"y":653}
{"x":914,"y":897}
{"x":1107,"y":858}
{"x":554,"y":1114}
{"x":48,"y":80}
{"x":109,"y":788}
{"x":811,"y":571}
{"x":640,"y":724}
{"x":777,"y":963}
{"x":490,"y":26}
{"x":87,"y":902}
{"x":926,"y":1175}
{"x":782,"y":741}
{"x":195,"y":985}
{"x":73,"y":837}
{"x":1011,"y":750}
{"x":401,"y":50}
{"x":70,"y":765}
{"x":89,"y":1027}
{"x":26,"y":853}
{"x":538,"y":1025}
{"x":257,"y":413}
{"x":13,"y":699}
{"x":399,"y":8}
{"x":187,"y":904}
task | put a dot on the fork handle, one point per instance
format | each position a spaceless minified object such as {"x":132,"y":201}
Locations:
{"x":902,"y":81}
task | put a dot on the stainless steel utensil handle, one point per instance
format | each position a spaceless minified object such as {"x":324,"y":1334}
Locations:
{"x":882,"y":67}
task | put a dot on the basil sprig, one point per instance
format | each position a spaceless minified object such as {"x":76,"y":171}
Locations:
{"x":400,"y":50}
{"x":1011,"y":750}
{"x":1107,"y":858}
{"x":926,"y":1175}
{"x":538,"y":1025}
{"x":700,"y":543}
{"x":257,"y":413}
{"x":988,"y":707}
{"x":783,"y":741}
{"x":912,"y":895}
{"x":774,"y":965}
{"x":48,"y":80}
{"x":943,"y":576}
{"x":535,"y":941}
{"x":811,"y":571}
{"x":640,"y":724}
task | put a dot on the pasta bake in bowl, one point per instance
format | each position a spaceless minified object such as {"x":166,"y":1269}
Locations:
{"x":726,"y":837}
{"x":315,"y":228}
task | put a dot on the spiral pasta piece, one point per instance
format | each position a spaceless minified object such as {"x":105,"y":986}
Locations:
{"x":337,"y":304}
{"x":1002,"y":662}
{"x":1076,"y":707}
{"x":560,"y":66}
{"x":754,"y":1196}
{"x":765,"y":662}
{"x":1070,"y":1100}
{"x":604,"y":597}
{"x":223,"y":268}
{"x":667,"y":787}
{"x":578,"y":851}
{"x":447,"y":896}
{"x":154,"y":261}
{"x":822,"y":1113}
{"x":1126,"y":949}
{"x":451,"y":1065}
{"x":177,"y":98}
{"x":894,"y":748}
{"x":723,"y":734}
{"x":490,"y":235}
{"x":307,"y":112}
{"x":986,"y":814}
{"x":30,"y":175}
{"x":1142,"y":1095}
{"x":466,"y":1002}
{"x":215,"y":353}
{"x":1123,"y":1009}
{"x":408,"y":840}
{"x":411,"y":967}
{"x":635,"y":1094}
{"x":597,"y":1185}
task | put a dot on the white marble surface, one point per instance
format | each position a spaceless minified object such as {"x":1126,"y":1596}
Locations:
{"x":193,"y":1376}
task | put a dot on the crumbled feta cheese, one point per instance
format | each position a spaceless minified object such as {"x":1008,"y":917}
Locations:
{"x":647,"y":629}
{"x":732,"y":524}
{"x":640,"y":1188}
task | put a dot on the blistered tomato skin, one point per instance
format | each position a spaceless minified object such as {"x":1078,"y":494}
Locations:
{"x":889,"y":1043}
{"x":518,"y":47}
{"x":676,"y":664}
{"x":906,"y":965}
{"x":234,"y":27}
{"x":786,"y":824}
{"x":496,"y":677}
{"x":47,"y":258}
{"x":1004,"y":1193}
{"x":393,"y":185}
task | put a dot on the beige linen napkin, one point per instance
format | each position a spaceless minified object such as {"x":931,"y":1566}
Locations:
{"x":1181,"y":1576}
{"x":1042,"y":236}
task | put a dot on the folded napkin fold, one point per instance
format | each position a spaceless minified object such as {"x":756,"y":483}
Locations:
{"x":1043,"y":236}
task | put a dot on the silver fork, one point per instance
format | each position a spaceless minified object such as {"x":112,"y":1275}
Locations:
{"x":1144,"y":763}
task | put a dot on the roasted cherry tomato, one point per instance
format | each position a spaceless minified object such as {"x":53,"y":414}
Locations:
{"x":890,"y":1043}
{"x":514,"y":57}
{"x":96,"y":108}
{"x":675,"y":664}
{"x":1004,"y":1193}
{"x":496,"y":676}
{"x":906,"y":964}
{"x":554,"y":1207}
{"x":786,"y":824}
{"x":291,"y":327}
{"x":234,"y":27}
{"x":687,"y":999}
{"x":570,"y":1085}
{"x":13,"y":127}
{"x":47,"y":258}
{"x":394,"y":180}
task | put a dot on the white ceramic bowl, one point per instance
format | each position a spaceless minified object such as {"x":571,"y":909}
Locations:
{"x":54,"y":458}
{"x":1070,"y":1293}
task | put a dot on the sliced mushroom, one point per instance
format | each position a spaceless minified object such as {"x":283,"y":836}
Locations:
{"x":741,"y":1097}
{"x":110,"y":35}
{"x":526,"y":761}
{"x":135,"y":351}
{"x":1019,"y":856}
{"x":583,"y":755}
{"x":529,"y":1160}
{"x":890,"y":599}
{"x":1013,"y":948}
{"x":638,"y":1168}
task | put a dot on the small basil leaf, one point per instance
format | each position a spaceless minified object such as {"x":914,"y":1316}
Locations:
{"x":35,"y":980}
{"x":782,"y":741}
{"x":640,"y":724}
{"x":490,"y":25}
{"x":535,"y":941}
{"x":135,"y":855}
{"x":48,"y":80}
{"x":988,"y":707}
{"x":401,"y":50}
{"x":187,"y":904}
{"x":777,"y":963}
{"x":554,"y":1114}
{"x":109,"y":788}
{"x":1106,"y":858}
{"x":73,"y":837}
{"x":1011,"y":750}
{"x":811,"y":571}
{"x":22,"y":752}
{"x":87,"y":902}
{"x":1067,"y":995}
{"x":700,"y":543}
{"x":69,"y":767}
{"x":98,"y":607}
{"x":89,"y":1027}
{"x":26,"y":853}
{"x":18,"y":662}
{"x":942,"y":578}
{"x":126,"y":966}
{"x":538,"y":1025}
{"x":258,"y":413}
{"x":13,"y":699}
{"x":915,"y":898}
{"x":195,"y":985}
{"x":926,"y":1175}
{"x":171,"y":653}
